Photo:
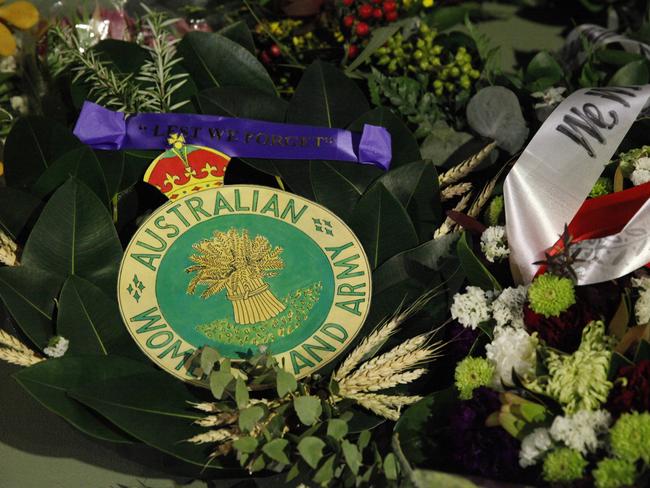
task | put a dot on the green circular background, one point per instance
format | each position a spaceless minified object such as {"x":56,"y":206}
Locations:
{"x":304,"y":264}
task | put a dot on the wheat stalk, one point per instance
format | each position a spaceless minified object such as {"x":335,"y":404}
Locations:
{"x":483,"y":197}
{"x":223,"y":418}
{"x":8,"y":250}
{"x":387,"y":406}
{"x":454,"y":191}
{"x":448,"y":225}
{"x":15,"y":352}
{"x":466,"y":167}
{"x":213,"y":436}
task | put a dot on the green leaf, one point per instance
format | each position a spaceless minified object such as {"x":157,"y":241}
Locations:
{"x":415,"y":186}
{"x":33,"y":144}
{"x":49,"y":381}
{"x":153,"y":407}
{"x":364,"y":440}
{"x":377,"y":39}
{"x":337,"y":428}
{"x":311,"y":450}
{"x":383,"y":225}
{"x":308,"y":409}
{"x":390,"y":467}
{"x":404,"y":145}
{"x":112,"y":164}
{"x":442,"y":142}
{"x":92,"y":321}
{"x":208,"y":358}
{"x":326,"y":97}
{"x":417,"y":423}
{"x":443,"y":18}
{"x":643,"y":351}
{"x":135,"y":165}
{"x":339,"y":185}
{"x":29,"y":295}
{"x":326,"y":472}
{"x":542,"y":72}
{"x":80,"y":163}
{"x":352,"y":456}
{"x":276,"y":450}
{"x":237,"y":101}
{"x":249,"y":417}
{"x":477,"y":273}
{"x":215,"y":61}
{"x":74,"y":235}
{"x":241,"y":393}
{"x":17,"y":209}
{"x":219,"y":381}
{"x":634,"y":73}
{"x":241,"y":34}
{"x":246,"y":445}
{"x":422,"y":478}
{"x":494,"y":112}
{"x":286,"y":382}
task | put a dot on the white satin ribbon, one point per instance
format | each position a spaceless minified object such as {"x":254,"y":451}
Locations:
{"x":555,"y":174}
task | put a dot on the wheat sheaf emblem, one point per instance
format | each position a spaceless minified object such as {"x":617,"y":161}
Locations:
{"x":233,"y":261}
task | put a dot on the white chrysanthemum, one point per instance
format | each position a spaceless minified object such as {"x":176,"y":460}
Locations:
{"x":550,"y":97}
{"x":8,"y":250}
{"x":8,"y":64}
{"x":508,"y":308}
{"x":534,"y":446}
{"x":19,"y":104}
{"x":472,"y":307}
{"x":642,"y":305}
{"x":581,"y":431}
{"x":57,"y":347}
{"x":641,"y":173}
{"x":511,"y":349}
{"x":494,"y":244}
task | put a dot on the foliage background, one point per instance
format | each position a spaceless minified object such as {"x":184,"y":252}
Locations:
{"x":64,"y":457}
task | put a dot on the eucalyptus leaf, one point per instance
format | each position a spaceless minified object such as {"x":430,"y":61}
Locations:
{"x":423,"y":478}
{"x":326,"y":472}
{"x":390,"y":466}
{"x":286,"y":383}
{"x":311,"y":450}
{"x":337,"y":428}
{"x":276,"y":450}
{"x":442,"y":142}
{"x":219,"y":381}
{"x":74,"y":235}
{"x":153,"y":407}
{"x":248,"y":417}
{"x":81,"y":163}
{"x":241,"y":393}
{"x":49,"y":381}
{"x":405,"y":147}
{"x":339,"y":185}
{"x":383,"y":225}
{"x":33,"y":144}
{"x":494,"y":112}
{"x":29,"y":295}
{"x":477,"y":273}
{"x":352,"y":456}
{"x":244,"y":102}
{"x":308,"y":409}
{"x":246,"y":445}
{"x":415,"y":186}
{"x":91,"y":321}
{"x":325,"y":97}
{"x":542,"y":72}
{"x":208,"y":359}
{"x":214,"y":61}
{"x":17,"y":209}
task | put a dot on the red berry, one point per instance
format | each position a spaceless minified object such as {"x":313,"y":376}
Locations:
{"x":275,"y":51}
{"x":377,"y":13}
{"x":376,"y":2}
{"x":347,"y":3}
{"x":391,"y":16}
{"x":348,"y":20}
{"x":362,"y":29}
{"x":365,"y":11}
{"x":390,"y":6}
{"x":266,"y":59}
{"x":353,"y":51}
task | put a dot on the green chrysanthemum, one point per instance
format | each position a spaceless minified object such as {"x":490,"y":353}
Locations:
{"x":614,"y":473}
{"x":603,"y":186}
{"x":472,"y":373}
{"x":630,"y":437}
{"x":550,"y":295}
{"x":579,"y":381}
{"x":563,"y":465}
{"x":494,"y":211}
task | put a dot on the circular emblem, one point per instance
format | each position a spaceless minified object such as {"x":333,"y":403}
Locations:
{"x":240,"y":267}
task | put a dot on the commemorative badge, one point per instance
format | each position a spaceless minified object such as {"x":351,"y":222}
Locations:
{"x":239,"y":267}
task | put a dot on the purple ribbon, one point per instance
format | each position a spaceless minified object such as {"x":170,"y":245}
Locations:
{"x":101,"y":128}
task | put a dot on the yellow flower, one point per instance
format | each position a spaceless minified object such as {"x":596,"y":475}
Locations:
{"x":427,"y":3}
{"x":2,"y":168}
{"x":177,"y":141}
{"x":22,"y":15}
